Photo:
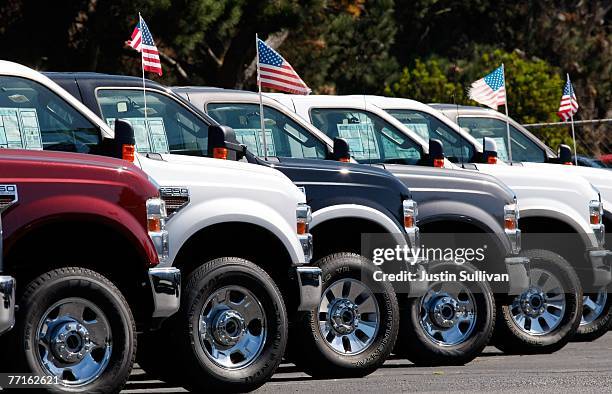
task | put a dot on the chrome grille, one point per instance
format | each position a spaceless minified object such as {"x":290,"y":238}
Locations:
{"x":175,"y":198}
{"x":8,"y":196}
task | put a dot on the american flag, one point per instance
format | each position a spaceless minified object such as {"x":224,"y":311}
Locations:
{"x":276,"y":73}
{"x":142,"y":41}
{"x":569,"y":104}
{"x":490,"y":90}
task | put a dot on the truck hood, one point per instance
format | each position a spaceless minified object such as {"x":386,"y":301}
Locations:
{"x":76,"y":159}
{"x":600,"y":178}
{"x":455,"y":177}
{"x":178,"y":170}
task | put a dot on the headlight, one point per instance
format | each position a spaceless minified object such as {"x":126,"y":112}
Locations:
{"x":596,"y":212}
{"x":303,"y":216}
{"x":511,"y":226}
{"x":156,"y":227}
{"x":411,"y":212}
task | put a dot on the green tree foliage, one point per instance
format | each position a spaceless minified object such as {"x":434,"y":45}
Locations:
{"x":344,"y":47}
{"x":430,"y":50}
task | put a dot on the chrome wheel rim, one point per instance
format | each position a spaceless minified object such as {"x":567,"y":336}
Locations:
{"x":232,"y":327}
{"x":349,"y":318}
{"x":593,"y":306}
{"x":448,"y":313}
{"x":540,"y":309}
{"x":74,"y":341}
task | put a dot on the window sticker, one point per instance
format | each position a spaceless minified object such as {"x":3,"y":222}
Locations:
{"x":360,"y":138}
{"x":150,"y":136}
{"x":19,"y":129}
{"x":253,"y":140}
{"x":502,"y":151}
{"x":421,"y":129}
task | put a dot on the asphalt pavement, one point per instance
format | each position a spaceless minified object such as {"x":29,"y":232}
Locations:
{"x":579,"y":367}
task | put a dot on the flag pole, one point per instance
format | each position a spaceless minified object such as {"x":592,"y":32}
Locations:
{"x":261,"y":113}
{"x":572,"y":119}
{"x":507,"y":118}
{"x":144,"y":87}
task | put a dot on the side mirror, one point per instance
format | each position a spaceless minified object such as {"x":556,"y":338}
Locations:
{"x":341,"y":150}
{"x":123,"y":146}
{"x":489,"y":150}
{"x":223,"y":144}
{"x":565,"y":154}
{"x":436,"y":153}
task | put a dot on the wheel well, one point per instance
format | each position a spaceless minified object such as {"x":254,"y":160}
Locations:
{"x":571,"y":246}
{"x":236,"y":239}
{"x":97,"y":246}
{"x":342,"y":235}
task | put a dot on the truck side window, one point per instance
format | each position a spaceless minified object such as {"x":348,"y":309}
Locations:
{"x":456,"y":148}
{"x":284,"y":137}
{"x":169,"y":127}
{"x":523,"y":148}
{"x":371,"y":139}
{"x":34,"y":117}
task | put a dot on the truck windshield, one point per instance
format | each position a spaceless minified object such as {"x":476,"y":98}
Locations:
{"x":168,"y":127}
{"x":456,"y":148}
{"x":523,"y":148}
{"x":371,"y":139}
{"x":34,"y":117}
{"x":284,"y":137}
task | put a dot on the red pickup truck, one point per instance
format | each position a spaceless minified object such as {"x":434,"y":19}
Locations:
{"x":83,"y":237}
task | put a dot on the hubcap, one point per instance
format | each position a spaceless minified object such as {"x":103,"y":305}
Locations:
{"x":593,"y":306}
{"x":349,"y":318}
{"x":74,"y":341}
{"x":448,"y":313}
{"x":232,"y":327}
{"x":539,"y":310}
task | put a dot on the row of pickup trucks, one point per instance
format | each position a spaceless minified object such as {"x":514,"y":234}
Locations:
{"x":165,"y":217}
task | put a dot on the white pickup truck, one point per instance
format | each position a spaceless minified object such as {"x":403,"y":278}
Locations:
{"x":463,"y":142}
{"x":535,"y":321}
{"x":237,"y":231}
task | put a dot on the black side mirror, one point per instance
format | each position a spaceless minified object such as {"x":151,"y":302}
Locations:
{"x":489,"y":152}
{"x":436,"y":153}
{"x":223,"y":144}
{"x":341,"y":150}
{"x":123,"y":146}
{"x":564,"y":154}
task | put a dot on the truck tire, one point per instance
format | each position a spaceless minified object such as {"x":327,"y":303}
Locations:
{"x":596,"y":316}
{"x":231,"y":329}
{"x":451,"y":324}
{"x":544,"y":318}
{"x":364,"y":332}
{"x":74,"y":317}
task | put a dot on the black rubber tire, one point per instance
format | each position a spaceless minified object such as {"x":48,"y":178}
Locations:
{"x":511,"y":340}
{"x":308,"y":348}
{"x":417,"y":346}
{"x":53,"y":286}
{"x":198,"y":372}
{"x":598,"y":327}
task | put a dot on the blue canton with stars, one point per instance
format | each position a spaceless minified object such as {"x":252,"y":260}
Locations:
{"x":495,"y":80}
{"x":568,"y":89}
{"x":268,"y":56}
{"x":147,"y":38}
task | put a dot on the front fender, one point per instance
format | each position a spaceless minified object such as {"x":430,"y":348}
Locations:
{"x":197,"y":216}
{"x":360,"y":212}
{"x":536,"y":207}
{"x":61,"y":208}
{"x":457,"y":211}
